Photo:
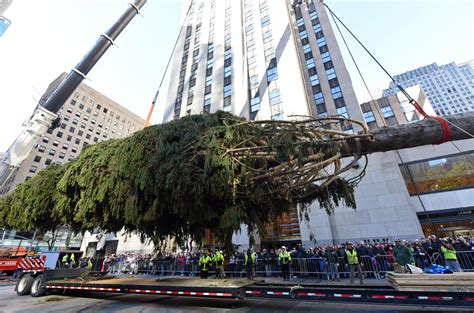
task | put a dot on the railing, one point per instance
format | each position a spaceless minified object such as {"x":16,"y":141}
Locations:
{"x":315,"y":267}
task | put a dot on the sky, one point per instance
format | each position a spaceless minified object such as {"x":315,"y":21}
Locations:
{"x":49,"y":37}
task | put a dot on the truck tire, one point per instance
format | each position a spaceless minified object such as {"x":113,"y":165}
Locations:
{"x":23,"y":287}
{"x":38,"y":287}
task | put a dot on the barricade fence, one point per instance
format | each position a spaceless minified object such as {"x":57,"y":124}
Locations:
{"x":314,"y":267}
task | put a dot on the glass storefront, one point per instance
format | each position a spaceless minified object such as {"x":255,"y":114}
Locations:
{"x":440,"y":174}
{"x":448,"y":223}
{"x":450,"y":229}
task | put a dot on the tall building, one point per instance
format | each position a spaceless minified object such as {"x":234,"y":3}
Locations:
{"x":87,"y":117}
{"x":259,"y":59}
{"x":449,"y":88}
{"x":396,"y":109}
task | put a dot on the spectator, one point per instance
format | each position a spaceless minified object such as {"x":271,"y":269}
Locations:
{"x":402,"y":253}
{"x":331,"y":258}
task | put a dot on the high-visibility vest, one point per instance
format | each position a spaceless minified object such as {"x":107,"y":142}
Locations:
{"x":65,"y":258}
{"x":352,"y":257}
{"x":73,"y":258}
{"x":449,"y":254}
{"x":284,"y":257}
{"x":204,"y":262}
{"x":218,"y":259}
{"x":253,"y":257}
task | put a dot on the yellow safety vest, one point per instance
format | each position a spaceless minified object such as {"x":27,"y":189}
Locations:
{"x":449,"y":254}
{"x":352,"y":257}
{"x":219,"y":259}
{"x":253,"y":256}
{"x":284,"y":257}
{"x":204,"y":262}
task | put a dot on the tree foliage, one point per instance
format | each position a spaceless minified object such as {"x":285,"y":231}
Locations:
{"x":214,"y":171}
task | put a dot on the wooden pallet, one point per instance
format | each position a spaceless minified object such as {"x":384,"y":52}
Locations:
{"x":457,"y":282}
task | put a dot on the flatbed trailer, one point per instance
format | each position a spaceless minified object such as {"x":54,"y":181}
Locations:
{"x":67,"y":280}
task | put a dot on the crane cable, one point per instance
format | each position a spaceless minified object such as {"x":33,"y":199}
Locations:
{"x":443,"y":122}
{"x":358,"y":69}
{"x":147,"y":121}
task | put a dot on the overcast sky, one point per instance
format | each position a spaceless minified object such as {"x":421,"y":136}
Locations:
{"x":50,"y":36}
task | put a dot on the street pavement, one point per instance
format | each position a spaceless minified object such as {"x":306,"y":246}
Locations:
{"x":81,"y":302}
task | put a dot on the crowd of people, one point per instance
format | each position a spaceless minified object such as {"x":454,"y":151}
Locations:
{"x":325,"y":261}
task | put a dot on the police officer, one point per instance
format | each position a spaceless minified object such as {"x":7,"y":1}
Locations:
{"x":285,"y":259}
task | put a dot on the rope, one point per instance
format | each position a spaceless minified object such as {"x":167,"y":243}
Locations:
{"x":443,"y":122}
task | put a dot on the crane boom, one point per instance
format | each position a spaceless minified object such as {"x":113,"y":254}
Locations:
{"x":45,"y":114}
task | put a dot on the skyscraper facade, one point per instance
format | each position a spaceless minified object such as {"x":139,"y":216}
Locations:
{"x":259,"y":59}
{"x":279,"y":59}
{"x":449,"y":87}
{"x":87,"y":117}
{"x":396,"y":109}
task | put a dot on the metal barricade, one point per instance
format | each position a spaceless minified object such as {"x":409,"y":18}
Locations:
{"x":313,"y":267}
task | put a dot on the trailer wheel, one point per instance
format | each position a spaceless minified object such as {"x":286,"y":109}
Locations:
{"x":23,"y":287}
{"x":38,"y":287}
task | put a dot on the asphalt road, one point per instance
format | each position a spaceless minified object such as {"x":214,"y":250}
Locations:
{"x":80,"y":302}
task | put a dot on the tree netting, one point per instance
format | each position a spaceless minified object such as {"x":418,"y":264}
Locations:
{"x":214,"y":171}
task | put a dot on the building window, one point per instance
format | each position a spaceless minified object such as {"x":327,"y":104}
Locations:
{"x":45,"y":139}
{"x":439,"y":174}
{"x":318,"y":98}
{"x":387,"y":111}
{"x":255,"y":104}
{"x":342,"y":111}
{"x":52,"y":151}
{"x":306,"y":48}
{"x":62,"y":155}
{"x":314,"y":79}
{"x":321,"y":109}
{"x":37,"y":159}
{"x":321,"y":41}
{"x":48,"y":162}
{"x":310,"y":63}
{"x":369,"y":116}
{"x":56,"y":143}
{"x":331,"y":73}
{"x":65,"y":146}
{"x":317,"y":27}
{"x":272,"y":74}
{"x":33,"y":169}
{"x":336,"y":92}
{"x":326,"y":57}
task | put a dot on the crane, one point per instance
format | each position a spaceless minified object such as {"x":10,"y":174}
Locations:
{"x":45,"y":114}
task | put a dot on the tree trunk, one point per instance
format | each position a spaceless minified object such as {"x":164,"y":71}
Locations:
{"x":425,"y":132}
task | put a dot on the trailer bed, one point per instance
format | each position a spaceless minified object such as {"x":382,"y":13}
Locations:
{"x":242,"y":289}
{"x":225,"y":288}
